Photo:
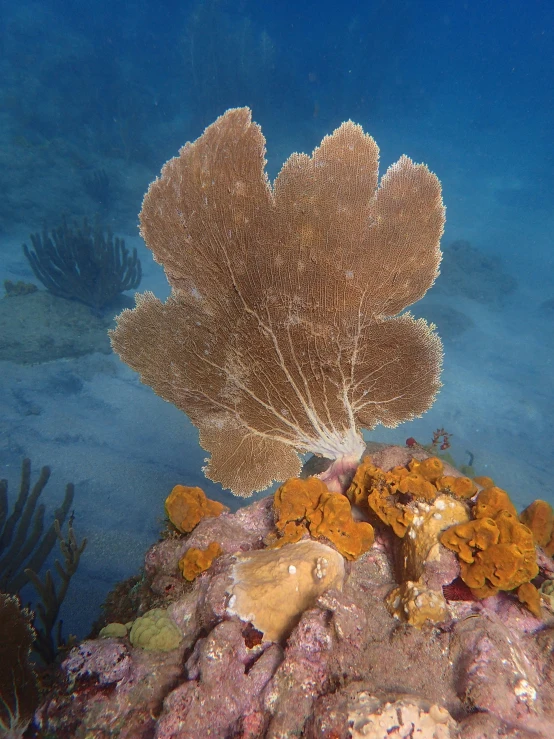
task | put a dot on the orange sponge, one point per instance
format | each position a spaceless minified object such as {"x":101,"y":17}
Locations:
{"x":303,"y":506}
{"x":496,"y":552}
{"x":466,"y":539}
{"x":297,"y":499}
{"x":491,"y":501}
{"x":186,"y":507}
{"x":502,"y":566}
{"x":196,"y":560}
{"x":392,"y":513}
{"x":367,"y":476}
{"x":431,"y":468}
{"x":539,"y":517}
{"x":484,"y":481}
{"x":461,"y":487}
{"x":422,"y":479}
{"x":333,"y":520}
{"x":415,"y":484}
{"x":530,"y":597}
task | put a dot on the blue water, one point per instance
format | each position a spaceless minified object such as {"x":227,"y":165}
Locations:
{"x":466,"y":88}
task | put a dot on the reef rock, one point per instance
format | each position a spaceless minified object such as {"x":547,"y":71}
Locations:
{"x":339,"y":666}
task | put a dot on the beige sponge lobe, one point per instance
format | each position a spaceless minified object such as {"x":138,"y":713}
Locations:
{"x":272,"y":587}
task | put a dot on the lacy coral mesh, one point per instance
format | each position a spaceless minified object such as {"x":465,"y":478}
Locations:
{"x":282,"y":332}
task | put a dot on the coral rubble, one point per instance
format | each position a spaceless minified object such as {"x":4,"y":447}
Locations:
{"x":303,"y":640}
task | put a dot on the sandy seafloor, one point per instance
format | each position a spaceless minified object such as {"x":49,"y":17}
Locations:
{"x":124,"y":448}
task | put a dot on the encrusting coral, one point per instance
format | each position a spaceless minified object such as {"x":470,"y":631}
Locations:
{"x":282,"y":333}
{"x":371,"y":717}
{"x":417,"y":605}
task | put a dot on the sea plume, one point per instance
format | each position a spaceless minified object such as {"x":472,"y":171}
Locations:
{"x":282,"y":333}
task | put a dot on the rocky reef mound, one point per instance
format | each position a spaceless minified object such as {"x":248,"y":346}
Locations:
{"x":265,"y":623}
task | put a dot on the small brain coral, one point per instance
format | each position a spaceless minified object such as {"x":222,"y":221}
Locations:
{"x":155,"y":631}
{"x":285,"y":331}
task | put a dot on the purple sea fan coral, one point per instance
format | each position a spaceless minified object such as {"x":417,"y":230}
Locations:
{"x":282,"y":333}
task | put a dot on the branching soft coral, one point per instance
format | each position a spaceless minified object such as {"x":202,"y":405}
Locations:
{"x":282,"y":333}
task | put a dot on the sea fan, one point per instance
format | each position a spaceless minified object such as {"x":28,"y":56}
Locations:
{"x":282,"y":332}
